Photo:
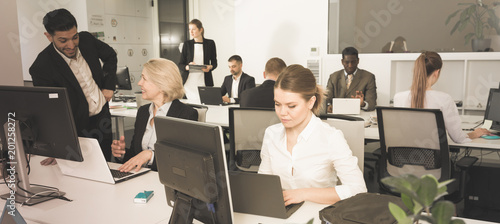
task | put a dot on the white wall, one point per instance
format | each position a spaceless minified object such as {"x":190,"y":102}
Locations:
{"x":30,"y":15}
{"x":279,"y":28}
{"x":10,"y":58}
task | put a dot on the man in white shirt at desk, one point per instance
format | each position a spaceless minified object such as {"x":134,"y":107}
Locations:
{"x":237,"y":82}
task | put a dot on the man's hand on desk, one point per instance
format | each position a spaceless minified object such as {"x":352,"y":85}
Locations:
{"x":48,"y":162}
{"x":118,"y":147}
{"x":361,"y":97}
{"x":226,"y":99}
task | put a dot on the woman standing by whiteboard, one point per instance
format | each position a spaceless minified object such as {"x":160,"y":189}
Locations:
{"x":197,"y":51}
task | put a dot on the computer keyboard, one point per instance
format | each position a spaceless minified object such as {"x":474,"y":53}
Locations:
{"x":118,"y":174}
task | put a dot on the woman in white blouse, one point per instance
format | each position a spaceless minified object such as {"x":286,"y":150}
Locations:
{"x":305,"y":152}
{"x":197,"y":51}
{"x":426,"y":72}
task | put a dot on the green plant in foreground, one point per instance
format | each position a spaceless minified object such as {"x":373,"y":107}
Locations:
{"x":421,"y":195}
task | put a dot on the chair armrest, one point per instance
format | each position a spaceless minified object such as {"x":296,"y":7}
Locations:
{"x":466,"y":162}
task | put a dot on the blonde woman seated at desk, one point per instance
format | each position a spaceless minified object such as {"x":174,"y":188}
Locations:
{"x":161,"y":83}
{"x":305,"y":152}
{"x":426,"y":73}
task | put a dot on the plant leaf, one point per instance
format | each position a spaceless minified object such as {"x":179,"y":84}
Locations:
{"x":444,"y":183}
{"x":468,"y":37}
{"x":400,"y":185}
{"x":408,"y":202}
{"x":451,"y":16}
{"x":426,"y":218}
{"x":442,"y":212}
{"x":418,"y":208}
{"x":428,"y":190}
{"x":399,"y":214}
{"x":310,"y":221}
{"x":455,"y":27}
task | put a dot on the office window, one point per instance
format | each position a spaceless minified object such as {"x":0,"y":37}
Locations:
{"x":412,"y":26}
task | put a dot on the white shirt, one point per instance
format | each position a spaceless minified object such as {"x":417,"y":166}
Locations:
{"x":443,"y":101}
{"x":234,"y":88}
{"x":83,"y":75}
{"x":196,"y":77}
{"x":320,"y":155}
{"x":149,"y":138}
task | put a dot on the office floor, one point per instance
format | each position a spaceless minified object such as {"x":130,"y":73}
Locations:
{"x":371,"y":180}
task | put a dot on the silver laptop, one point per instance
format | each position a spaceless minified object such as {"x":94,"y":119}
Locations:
{"x":345,"y":106}
{"x":259,"y":194}
{"x":210,"y":95}
{"x":94,"y":166}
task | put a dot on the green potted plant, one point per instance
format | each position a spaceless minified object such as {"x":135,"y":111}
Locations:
{"x":421,"y":196}
{"x":481,"y":17}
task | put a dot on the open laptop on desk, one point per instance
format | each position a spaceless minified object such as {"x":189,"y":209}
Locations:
{"x":210,"y":95}
{"x":94,"y":166}
{"x":345,"y":106}
{"x":259,"y":194}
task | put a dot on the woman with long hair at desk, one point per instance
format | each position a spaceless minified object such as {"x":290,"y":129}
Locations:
{"x":161,"y":83}
{"x":426,"y":72}
{"x":305,"y":152}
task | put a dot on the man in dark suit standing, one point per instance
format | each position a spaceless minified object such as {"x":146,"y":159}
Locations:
{"x":352,"y":82}
{"x":263,"y":95}
{"x":73,"y":60}
{"x":237,"y":82}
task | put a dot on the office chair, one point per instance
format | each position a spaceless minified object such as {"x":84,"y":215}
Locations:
{"x":247,"y":127}
{"x":353,"y":130}
{"x":202,"y":111}
{"x":414,"y":141}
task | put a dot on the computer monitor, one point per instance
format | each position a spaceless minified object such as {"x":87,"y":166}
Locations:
{"x":192,"y":165}
{"x":123,"y":78}
{"x":36,"y":121}
{"x":493,"y":109}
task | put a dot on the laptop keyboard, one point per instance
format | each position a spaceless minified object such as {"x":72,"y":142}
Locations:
{"x":118,"y":174}
{"x":290,"y":206}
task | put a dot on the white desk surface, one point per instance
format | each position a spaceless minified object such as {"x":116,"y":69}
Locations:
{"x":218,"y":115}
{"x":96,"y":202}
{"x":468,"y":121}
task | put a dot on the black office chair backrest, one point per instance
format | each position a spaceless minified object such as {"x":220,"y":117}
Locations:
{"x":413,"y":141}
{"x":247,"y":127}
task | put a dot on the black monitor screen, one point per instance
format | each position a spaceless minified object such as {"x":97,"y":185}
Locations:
{"x":493,"y":109}
{"x":192,"y":165}
{"x":45,"y":120}
{"x":123,"y":78}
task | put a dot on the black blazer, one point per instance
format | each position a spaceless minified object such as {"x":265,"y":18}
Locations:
{"x":246,"y":82}
{"x":177,"y":109}
{"x":260,"y":96}
{"x":50,"y":69}
{"x":209,"y":58}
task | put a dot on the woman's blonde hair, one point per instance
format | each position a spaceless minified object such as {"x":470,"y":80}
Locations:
{"x":425,"y":65}
{"x":166,"y":76}
{"x":297,"y":79}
